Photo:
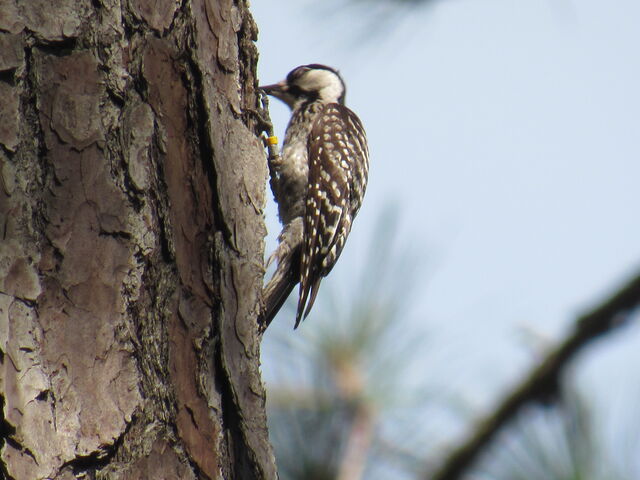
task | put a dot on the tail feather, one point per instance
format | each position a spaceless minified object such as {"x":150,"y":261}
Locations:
{"x":276,"y":292}
{"x":303,"y":300}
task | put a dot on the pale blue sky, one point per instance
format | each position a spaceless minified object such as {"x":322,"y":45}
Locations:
{"x":507,"y":132}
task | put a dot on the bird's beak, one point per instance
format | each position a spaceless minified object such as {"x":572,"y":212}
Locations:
{"x":278,"y":90}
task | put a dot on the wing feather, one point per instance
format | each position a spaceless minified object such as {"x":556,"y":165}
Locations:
{"x":338,"y":164}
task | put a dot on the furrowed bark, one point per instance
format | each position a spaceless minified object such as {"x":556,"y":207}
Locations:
{"x":132,"y":189}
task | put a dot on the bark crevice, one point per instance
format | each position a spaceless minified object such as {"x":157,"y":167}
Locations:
{"x":131,"y":194}
{"x":98,"y":459}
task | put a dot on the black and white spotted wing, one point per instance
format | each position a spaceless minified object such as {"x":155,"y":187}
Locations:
{"x":338,"y":167}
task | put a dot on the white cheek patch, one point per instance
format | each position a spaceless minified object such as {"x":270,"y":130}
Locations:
{"x":325,"y":82}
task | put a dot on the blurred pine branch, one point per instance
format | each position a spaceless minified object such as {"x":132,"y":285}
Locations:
{"x":542,"y":383}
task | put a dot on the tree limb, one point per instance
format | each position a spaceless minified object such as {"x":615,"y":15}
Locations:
{"x":542,"y":382}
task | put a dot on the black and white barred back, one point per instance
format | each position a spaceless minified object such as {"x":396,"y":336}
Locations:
{"x":319,"y":183}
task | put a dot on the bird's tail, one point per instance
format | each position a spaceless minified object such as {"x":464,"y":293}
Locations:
{"x":287,"y":275}
{"x":276,"y":292}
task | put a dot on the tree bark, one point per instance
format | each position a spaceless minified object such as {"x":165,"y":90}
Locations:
{"x":132,"y":189}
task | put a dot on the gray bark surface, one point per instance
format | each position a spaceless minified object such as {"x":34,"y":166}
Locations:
{"x":132,"y":189}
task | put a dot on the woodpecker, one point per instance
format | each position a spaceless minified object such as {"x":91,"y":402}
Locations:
{"x":318,"y":182}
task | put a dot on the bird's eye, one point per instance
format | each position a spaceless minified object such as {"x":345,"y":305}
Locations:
{"x":295,"y":90}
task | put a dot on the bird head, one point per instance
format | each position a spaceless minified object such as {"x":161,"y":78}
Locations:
{"x":309,"y":83}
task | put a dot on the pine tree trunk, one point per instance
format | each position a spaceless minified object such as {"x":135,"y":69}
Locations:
{"x":132,"y":188}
